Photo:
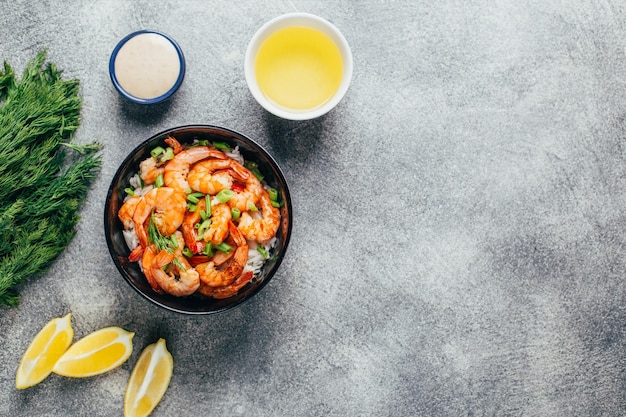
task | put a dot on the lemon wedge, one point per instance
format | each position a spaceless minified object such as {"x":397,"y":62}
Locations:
{"x":149,"y":380}
{"x":96,"y":353}
{"x":44,"y":351}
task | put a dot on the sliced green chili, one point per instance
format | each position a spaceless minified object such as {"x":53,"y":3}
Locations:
{"x":157,"y":151}
{"x":254,"y":168}
{"x":208,"y":249}
{"x":225,"y":195}
{"x":194,"y":197}
{"x":263,"y":252}
{"x":203,"y":227}
{"x":169,"y":154}
{"x":224,"y":247}
{"x":207,"y":201}
{"x":222,"y":146}
{"x":273,"y":192}
{"x":159,"y":181}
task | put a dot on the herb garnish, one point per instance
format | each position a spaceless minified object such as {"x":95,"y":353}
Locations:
{"x":44,"y":177}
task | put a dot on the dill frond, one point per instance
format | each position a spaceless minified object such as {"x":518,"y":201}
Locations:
{"x":44,"y":176}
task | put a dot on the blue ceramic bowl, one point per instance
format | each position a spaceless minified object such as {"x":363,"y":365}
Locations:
{"x":152,"y":100}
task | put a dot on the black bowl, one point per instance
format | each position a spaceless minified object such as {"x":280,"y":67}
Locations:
{"x":194,"y":304}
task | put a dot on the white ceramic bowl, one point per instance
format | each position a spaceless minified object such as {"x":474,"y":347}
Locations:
{"x":303,"y":20}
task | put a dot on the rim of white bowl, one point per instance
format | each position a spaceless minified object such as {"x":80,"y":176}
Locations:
{"x":298,"y":19}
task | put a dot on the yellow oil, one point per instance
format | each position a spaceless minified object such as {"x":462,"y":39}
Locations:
{"x":298,"y":68}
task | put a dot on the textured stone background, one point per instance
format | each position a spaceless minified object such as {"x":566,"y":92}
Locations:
{"x":459,"y":232}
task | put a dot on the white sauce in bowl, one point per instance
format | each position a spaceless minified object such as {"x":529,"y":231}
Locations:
{"x":147,"y":66}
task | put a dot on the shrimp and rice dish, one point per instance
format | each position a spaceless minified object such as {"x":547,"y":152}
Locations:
{"x":199,"y":219}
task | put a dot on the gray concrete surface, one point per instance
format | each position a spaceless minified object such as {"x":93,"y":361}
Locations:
{"x":459,"y":237}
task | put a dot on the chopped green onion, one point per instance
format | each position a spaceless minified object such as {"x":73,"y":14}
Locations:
{"x":254,"y":168}
{"x":192,"y":207}
{"x":129,"y":191}
{"x":141,"y":182}
{"x":224,"y":247}
{"x":224,"y":195}
{"x":252,"y":207}
{"x":263,"y":252}
{"x":276,"y":204}
{"x":273,"y":194}
{"x":235,"y":213}
{"x":202,"y":228}
{"x":169,"y":154}
{"x":159,"y":181}
{"x":187,"y":252}
{"x":207,"y":201}
{"x":194,"y":197}
{"x":203,"y":215}
{"x":174,"y":240}
{"x":208,"y":249}
{"x":203,"y":142}
{"x":222,"y":146}
{"x":157,"y":151}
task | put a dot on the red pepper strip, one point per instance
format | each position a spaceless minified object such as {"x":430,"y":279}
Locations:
{"x":136,"y":254}
{"x":198,"y":259}
{"x":238,"y":187}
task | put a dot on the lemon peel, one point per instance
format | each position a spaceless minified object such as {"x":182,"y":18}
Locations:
{"x":44,"y":351}
{"x":96,"y":353}
{"x":149,"y":380}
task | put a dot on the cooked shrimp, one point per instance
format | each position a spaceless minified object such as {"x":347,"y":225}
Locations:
{"x":127,"y":210}
{"x":213,"y":277}
{"x":264,"y":228}
{"x":176,"y":146}
{"x":146,"y":262}
{"x":149,"y":170}
{"x":214,"y":175}
{"x":168,"y":206}
{"x":220,"y":221}
{"x":228,"y":290}
{"x":190,"y":233}
{"x":177,"y":169}
{"x":249,"y":195}
{"x":179,"y":278}
{"x":216,"y":232}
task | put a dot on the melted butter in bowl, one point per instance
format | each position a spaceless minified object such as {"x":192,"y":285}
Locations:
{"x":147,"y":67}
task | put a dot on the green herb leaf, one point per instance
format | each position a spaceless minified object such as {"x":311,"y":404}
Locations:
{"x":161,"y":242}
{"x":44,"y":176}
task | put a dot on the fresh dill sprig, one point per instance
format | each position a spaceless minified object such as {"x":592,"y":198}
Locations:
{"x":160,"y":242}
{"x":44,"y":176}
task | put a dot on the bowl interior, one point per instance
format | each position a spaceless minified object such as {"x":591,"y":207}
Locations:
{"x":194,"y":304}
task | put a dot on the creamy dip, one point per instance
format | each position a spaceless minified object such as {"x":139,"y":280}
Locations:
{"x":147,"y":66}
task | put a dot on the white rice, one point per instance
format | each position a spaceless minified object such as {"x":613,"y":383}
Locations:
{"x":131,"y":239}
{"x":255,"y":259}
{"x":236,"y":155}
